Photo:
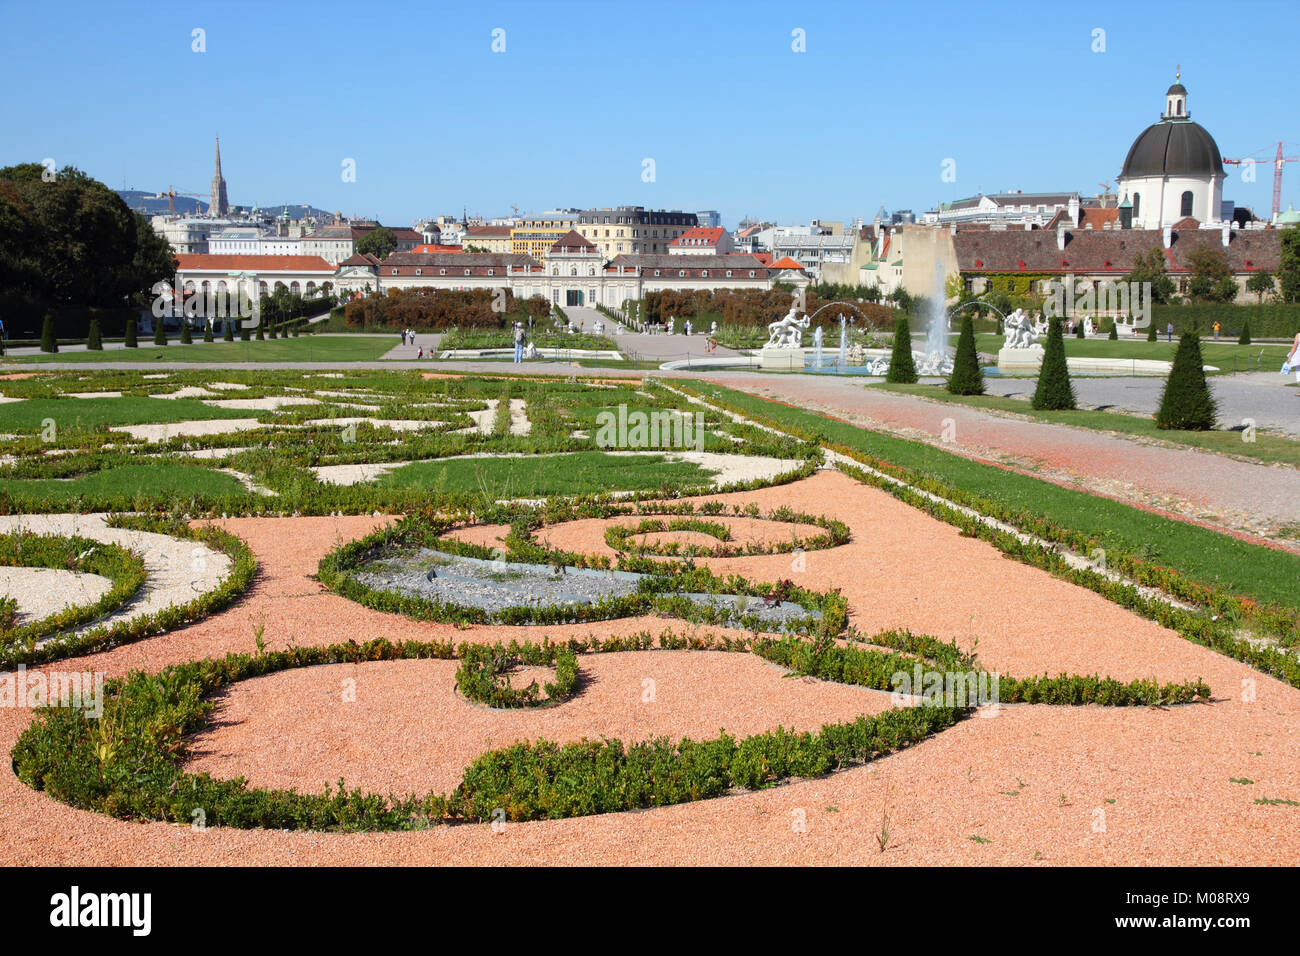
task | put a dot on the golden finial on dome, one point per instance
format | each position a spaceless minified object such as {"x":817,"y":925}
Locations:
{"x":1178,"y":72}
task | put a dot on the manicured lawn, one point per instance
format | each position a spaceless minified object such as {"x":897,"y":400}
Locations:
{"x":504,"y":339}
{"x":155,"y":481}
{"x":96,"y":412}
{"x":306,"y":348}
{"x":1197,"y":553}
{"x":538,"y":476}
{"x":1265,"y":447}
{"x":1221,"y":354}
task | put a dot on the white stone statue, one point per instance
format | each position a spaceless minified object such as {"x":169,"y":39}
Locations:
{"x":858,"y":355}
{"x":598,"y":327}
{"x":713,"y":327}
{"x":1019,"y":332}
{"x":672,"y":320}
{"x":787,"y":332}
{"x":1088,"y":328}
{"x":530,"y":350}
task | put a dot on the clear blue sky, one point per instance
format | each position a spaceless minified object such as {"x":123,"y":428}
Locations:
{"x":733,"y":118}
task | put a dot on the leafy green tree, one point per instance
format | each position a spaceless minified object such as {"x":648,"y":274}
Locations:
{"x":130,"y":340}
{"x":902,"y":367}
{"x":1288,"y":273}
{"x":94,"y":341}
{"x":1244,"y":337}
{"x":377,"y":242}
{"x":1152,"y":267}
{"x":1261,"y":283}
{"x":48,"y":341}
{"x":1054,"y":391}
{"x":966,"y":377}
{"x":1209,"y":267}
{"x":1186,"y":402}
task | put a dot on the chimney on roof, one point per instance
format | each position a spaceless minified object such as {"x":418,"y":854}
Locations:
{"x":1074,"y":210}
{"x":1227,"y":234}
{"x":1168,"y":236}
{"x":1060,"y":237}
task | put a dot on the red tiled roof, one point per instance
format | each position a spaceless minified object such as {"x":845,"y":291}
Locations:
{"x":699,"y":236}
{"x":489,"y":232}
{"x":764,"y":257}
{"x":1107,"y":250}
{"x":785,"y":262}
{"x":360,"y":259}
{"x":240,"y":263}
{"x":435,"y":247}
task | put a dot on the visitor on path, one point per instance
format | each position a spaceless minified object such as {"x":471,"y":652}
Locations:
{"x":1292,"y":363}
{"x":519,"y":343}
{"x":420,"y":352}
{"x":1216,"y":331}
{"x":687,"y":327}
{"x":1169,"y":331}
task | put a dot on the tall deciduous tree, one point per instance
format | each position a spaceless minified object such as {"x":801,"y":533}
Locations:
{"x":377,"y":242}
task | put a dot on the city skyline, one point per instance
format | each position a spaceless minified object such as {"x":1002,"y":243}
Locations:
{"x":435,"y":122}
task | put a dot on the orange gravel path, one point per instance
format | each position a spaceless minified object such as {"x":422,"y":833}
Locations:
{"x":1052,"y":784}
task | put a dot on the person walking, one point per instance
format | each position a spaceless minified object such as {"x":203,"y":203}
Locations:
{"x":688,"y":327}
{"x":1169,"y":331}
{"x":1292,"y":362}
{"x":1216,"y":330}
{"x":519,"y":343}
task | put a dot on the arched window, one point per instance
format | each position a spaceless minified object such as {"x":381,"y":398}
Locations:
{"x":1137,"y":205}
{"x":1187,"y":204}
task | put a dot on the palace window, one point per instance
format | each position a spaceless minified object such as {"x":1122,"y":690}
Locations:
{"x":1187,"y":204}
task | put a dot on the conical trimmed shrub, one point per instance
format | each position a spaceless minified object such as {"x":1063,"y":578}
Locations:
{"x":966,"y":377}
{"x":130,"y":341}
{"x":1054,"y":391}
{"x":159,"y":333}
{"x":1244,"y":337}
{"x":186,"y":336}
{"x":1079,"y":333}
{"x":261,"y":332}
{"x":244,"y":333}
{"x":1152,"y":334}
{"x":1113,"y":335}
{"x":94,"y":341}
{"x":1186,"y":403}
{"x":227,"y":331}
{"x":207,"y":331}
{"x":902,"y":367}
{"x":48,"y":342}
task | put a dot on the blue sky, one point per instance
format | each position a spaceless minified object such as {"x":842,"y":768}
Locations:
{"x":733,"y":118}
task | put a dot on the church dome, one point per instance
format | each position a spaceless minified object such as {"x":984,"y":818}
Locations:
{"x":1175,"y":146}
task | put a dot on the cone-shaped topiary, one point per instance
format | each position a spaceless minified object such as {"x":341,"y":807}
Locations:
{"x":1079,"y":333}
{"x":1152,"y":335}
{"x":966,"y":377}
{"x":261,"y":332}
{"x":48,"y":342}
{"x":207,"y":331}
{"x":902,"y":368}
{"x":244,"y":333}
{"x":1054,"y":391}
{"x":1187,"y":403}
{"x":227,"y":331}
{"x":159,"y":333}
{"x":186,"y":336}
{"x":130,"y":341}
{"x":94,"y":341}
{"x":1113,"y":335}
{"x":1244,"y":337}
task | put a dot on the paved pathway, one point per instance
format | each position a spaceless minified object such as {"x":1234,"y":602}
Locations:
{"x":407,"y":353}
{"x":1238,"y":495}
{"x":1267,"y":397}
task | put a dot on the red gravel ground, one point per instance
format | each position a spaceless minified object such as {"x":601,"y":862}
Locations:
{"x":1221,"y":492}
{"x":1041,"y":784}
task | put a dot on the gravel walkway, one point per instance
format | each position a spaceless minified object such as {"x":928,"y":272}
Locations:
{"x":41,"y":592}
{"x":1241,"y":496}
{"x":1034,"y":781}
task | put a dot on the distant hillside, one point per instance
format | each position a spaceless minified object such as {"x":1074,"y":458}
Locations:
{"x":146,"y":203}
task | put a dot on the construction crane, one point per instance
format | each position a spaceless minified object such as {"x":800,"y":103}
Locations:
{"x":171,"y":194}
{"x":1278,"y":162}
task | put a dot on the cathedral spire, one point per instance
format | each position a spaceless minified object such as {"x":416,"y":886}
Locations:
{"x":218,"y":204}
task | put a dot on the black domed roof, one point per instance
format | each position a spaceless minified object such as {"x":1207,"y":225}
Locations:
{"x":1173,"y":148}
{"x":1176,"y":89}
